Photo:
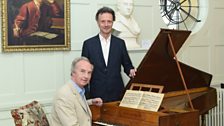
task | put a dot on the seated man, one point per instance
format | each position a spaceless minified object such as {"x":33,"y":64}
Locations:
{"x":70,"y":107}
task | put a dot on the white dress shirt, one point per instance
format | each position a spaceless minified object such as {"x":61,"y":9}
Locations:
{"x":105,"y":44}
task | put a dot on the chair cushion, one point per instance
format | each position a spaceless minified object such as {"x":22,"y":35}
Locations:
{"x":30,"y":115}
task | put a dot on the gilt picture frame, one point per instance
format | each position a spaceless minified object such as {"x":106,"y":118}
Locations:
{"x":29,"y":26}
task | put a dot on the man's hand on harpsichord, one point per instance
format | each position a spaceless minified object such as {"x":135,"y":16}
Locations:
{"x":132,"y":73}
{"x":97,"y":101}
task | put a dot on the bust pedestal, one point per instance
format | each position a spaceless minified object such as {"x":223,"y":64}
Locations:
{"x":131,"y":42}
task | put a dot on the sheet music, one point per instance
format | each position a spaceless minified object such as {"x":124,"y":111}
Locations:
{"x":46,"y":35}
{"x":151,"y":101}
{"x":142,"y":100}
{"x":131,"y":99}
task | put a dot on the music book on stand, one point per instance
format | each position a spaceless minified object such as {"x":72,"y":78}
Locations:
{"x":144,"y":100}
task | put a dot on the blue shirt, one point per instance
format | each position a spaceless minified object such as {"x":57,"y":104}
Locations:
{"x":80,"y":90}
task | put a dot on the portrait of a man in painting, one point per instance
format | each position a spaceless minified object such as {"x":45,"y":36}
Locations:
{"x":35,"y":23}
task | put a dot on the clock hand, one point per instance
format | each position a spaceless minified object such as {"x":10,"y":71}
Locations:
{"x":189,"y":15}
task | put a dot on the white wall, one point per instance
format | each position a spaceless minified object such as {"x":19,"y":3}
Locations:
{"x":27,"y":76}
{"x":204,"y":49}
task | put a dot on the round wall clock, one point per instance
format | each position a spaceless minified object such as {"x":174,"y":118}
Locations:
{"x":181,"y":14}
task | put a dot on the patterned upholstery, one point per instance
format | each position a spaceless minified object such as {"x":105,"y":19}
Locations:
{"x":30,"y":115}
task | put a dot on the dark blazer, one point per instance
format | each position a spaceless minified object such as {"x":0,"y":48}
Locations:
{"x":106,"y":81}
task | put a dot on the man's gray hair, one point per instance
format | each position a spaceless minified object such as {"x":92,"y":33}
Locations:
{"x":75,"y":61}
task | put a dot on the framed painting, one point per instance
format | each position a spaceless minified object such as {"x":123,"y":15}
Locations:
{"x":35,"y":25}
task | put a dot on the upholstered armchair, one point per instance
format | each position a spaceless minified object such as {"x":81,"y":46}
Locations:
{"x":31,"y":114}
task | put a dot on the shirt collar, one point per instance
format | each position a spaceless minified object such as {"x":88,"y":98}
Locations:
{"x":80,"y":90}
{"x":103,"y":39}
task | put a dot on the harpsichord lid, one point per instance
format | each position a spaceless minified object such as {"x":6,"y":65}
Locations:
{"x":159,"y":67}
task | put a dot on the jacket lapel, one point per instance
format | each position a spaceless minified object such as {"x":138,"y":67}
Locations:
{"x":81,"y":101}
{"x":100,"y":51}
{"x":112,"y":47}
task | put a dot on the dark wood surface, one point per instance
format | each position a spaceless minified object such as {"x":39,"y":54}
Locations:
{"x":111,"y":113}
{"x":158,"y":67}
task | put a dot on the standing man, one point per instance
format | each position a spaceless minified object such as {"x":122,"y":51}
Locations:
{"x":107,"y":53}
{"x":70,"y":107}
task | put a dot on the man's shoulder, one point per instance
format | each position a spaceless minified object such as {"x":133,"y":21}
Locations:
{"x":115,"y":38}
{"x":92,"y":40}
{"x":28,"y":4}
{"x":65,"y":89}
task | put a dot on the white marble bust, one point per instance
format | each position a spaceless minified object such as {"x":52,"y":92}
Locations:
{"x":125,"y":25}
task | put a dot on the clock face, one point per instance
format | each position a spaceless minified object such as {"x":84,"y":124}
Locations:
{"x":180,"y":14}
